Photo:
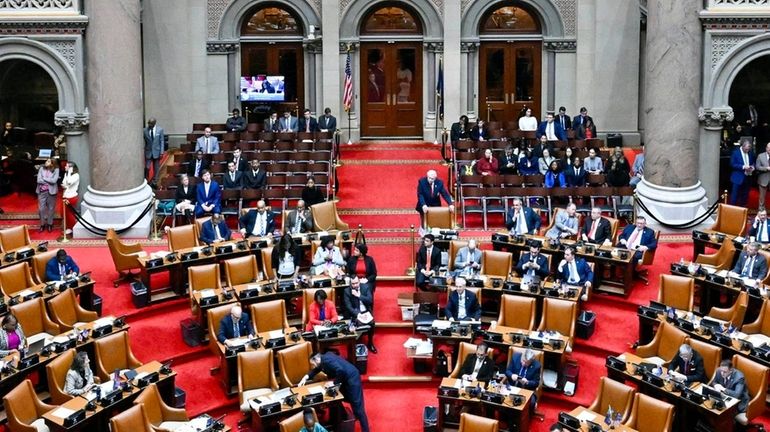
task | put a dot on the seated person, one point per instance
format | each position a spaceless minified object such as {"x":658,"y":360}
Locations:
{"x":310,"y":424}
{"x":524,"y":372}
{"x":462,"y":304}
{"x":208,"y":196}
{"x":522,"y":220}
{"x":554,"y":177}
{"x":637,"y":169}
{"x":254,"y":177}
{"x":528,"y":164}
{"x":487,"y":165}
{"x":257,"y":222}
{"x":596,"y":229}
{"x":215,"y":230}
{"x":533,"y":263}
{"x":12,"y":339}
{"x":236,"y":123}
{"x":468,"y":260}
{"x":359,"y":306}
{"x":328,"y":258}
{"x":508,"y":160}
{"x":478,"y":366}
{"x":185,"y":198}
{"x":527,"y":122}
{"x":758,"y":231}
{"x":299,"y":220}
{"x":544,"y":161}
{"x":638,"y":237}
{"x":750,"y":264}
{"x":459,"y":130}
{"x":576,"y":174}
{"x":566,"y":224}
{"x":428,"y":262}
{"x":731,"y":382}
{"x":593,"y":164}
{"x":479,"y":131}
{"x":61,"y":267}
{"x":286,"y":258}
{"x":576,"y":271}
{"x":321,"y":311}
{"x":80,"y":378}
{"x":197,"y":166}
{"x":233,"y":178}
{"x":689,"y":363}
{"x":236,"y":324}
{"x":307,"y":123}
{"x":311,"y":193}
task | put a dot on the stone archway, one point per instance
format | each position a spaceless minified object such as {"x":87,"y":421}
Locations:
{"x":550,"y":19}
{"x":432,"y":23}
{"x":230,"y":24}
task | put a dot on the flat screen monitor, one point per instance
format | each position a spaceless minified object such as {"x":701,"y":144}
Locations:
{"x":263,"y":88}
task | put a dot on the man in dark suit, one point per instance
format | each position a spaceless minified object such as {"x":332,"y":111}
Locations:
{"x":236,"y":123}
{"x":428,"y":262}
{"x":597,"y":229}
{"x":153,"y":149}
{"x":478,"y":366}
{"x":462,"y":304}
{"x":307,"y":123}
{"x":430,"y":190}
{"x":198,"y":165}
{"x":563,"y":119}
{"x":233,"y":178}
{"x":299,"y":220}
{"x":533,"y":263}
{"x":750,"y":264}
{"x":257,"y":222}
{"x":327,"y":122}
{"x":215,"y":230}
{"x":236,"y":324}
{"x":689,"y":363}
{"x":508,"y":161}
{"x":459,"y":130}
{"x":346,"y":376}
{"x":208,"y":196}
{"x":742,"y":162}
{"x":271,"y":123}
{"x":551,"y":129}
{"x":523,"y":371}
{"x":732,"y":382}
{"x":576,"y":271}
{"x":576,"y":174}
{"x":479,"y":131}
{"x":239,"y":160}
{"x":582,"y":118}
{"x":522,"y":220}
{"x":288,"y":122}
{"x":254,"y":177}
{"x":61,"y":267}
{"x":759,"y":229}
{"x":359,"y":306}
{"x":638,"y":237}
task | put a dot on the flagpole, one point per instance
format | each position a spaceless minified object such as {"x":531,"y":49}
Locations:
{"x":350,"y":141}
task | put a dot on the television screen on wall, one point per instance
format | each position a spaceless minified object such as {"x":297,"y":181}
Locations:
{"x":263,"y":88}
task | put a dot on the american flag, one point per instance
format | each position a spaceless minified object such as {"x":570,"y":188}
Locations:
{"x":347,"y":96}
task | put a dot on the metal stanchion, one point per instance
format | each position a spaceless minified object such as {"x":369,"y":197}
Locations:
{"x":336,"y":144}
{"x":64,"y":238}
{"x":411,"y":271}
{"x":724,"y":196}
{"x":155,"y":235}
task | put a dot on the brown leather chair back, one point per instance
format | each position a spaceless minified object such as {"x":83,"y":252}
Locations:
{"x":56,"y":372}
{"x":267,"y":262}
{"x":474,"y":423}
{"x":307,"y":299}
{"x":34,"y":319}
{"x":133,"y":419}
{"x":204,"y":277}
{"x":539,"y":356}
{"x":39,"y":261}
{"x":269,"y":316}
{"x":731,"y":220}
{"x":215,"y":315}
{"x":22,"y":407}
{"x":665,"y":344}
{"x":711,"y":354}
{"x":649,"y":255}
{"x":241,"y":270}
{"x":735,"y":313}
{"x":614,"y":224}
{"x":676,"y":291}
{"x":325,"y":217}
{"x":295,"y":422}
{"x":615,"y":394}
{"x":762,"y":323}
{"x":294,"y":363}
{"x":454,"y":247}
{"x":756,"y":381}
{"x":463,"y":350}
{"x":650,"y":415}
{"x":15,"y":278}
{"x":66,"y":311}
{"x":182,"y":237}
{"x":14,"y":238}
{"x":439,"y":217}
{"x":199,"y":225}
{"x":255,"y":371}
{"x":114,"y":352}
{"x":496,"y":263}
{"x":150,"y":398}
{"x":559,"y":315}
{"x":517,"y":311}
{"x":721,"y":259}
{"x":123,"y":255}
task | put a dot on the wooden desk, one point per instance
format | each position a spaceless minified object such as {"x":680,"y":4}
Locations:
{"x":516,"y":417}
{"x":699,"y":245}
{"x":9,"y":258}
{"x":269,"y":422}
{"x":508,"y":332}
{"x":84,"y":290}
{"x":584,"y":414}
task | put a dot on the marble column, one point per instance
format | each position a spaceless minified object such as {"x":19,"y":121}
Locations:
{"x":452,"y":63}
{"x":330,"y":65}
{"x":118,"y":193}
{"x":671,"y":189}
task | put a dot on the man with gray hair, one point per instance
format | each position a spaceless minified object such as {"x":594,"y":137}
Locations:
{"x":750,"y":264}
{"x":688,"y":363}
{"x":468,"y":260}
{"x":524,"y":371}
{"x":430,"y":190}
{"x":566,"y":224}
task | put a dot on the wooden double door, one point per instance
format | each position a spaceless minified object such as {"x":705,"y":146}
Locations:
{"x":391,"y":89}
{"x":509,"y":79}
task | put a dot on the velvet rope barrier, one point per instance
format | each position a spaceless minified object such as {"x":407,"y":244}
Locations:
{"x":101,"y":232}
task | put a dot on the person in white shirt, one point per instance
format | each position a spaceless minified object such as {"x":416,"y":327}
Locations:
{"x":759,"y":229}
{"x":71,"y":183}
{"x":207,"y":143}
{"x":528,"y":122}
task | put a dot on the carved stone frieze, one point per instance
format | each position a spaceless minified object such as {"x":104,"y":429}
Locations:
{"x":561,"y":46}
{"x":66,"y":48}
{"x":221,"y":47}
{"x":72,"y":122}
{"x":714,"y":118}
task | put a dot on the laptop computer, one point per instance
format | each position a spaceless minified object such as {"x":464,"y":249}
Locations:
{"x":45,"y":153}
{"x":35,"y":347}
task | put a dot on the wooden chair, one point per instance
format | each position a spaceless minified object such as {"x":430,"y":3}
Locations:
{"x":161,"y":416}
{"x":66,"y":311}
{"x":124,"y":256}
{"x":325,"y":217}
{"x":676,"y":291}
{"x":113,"y":352}
{"x":133,"y":419}
{"x":56,"y":373}
{"x":496,"y":263}
{"x":474,"y":423}
{"x":615,"y":394}
{"x":517,"y":312}
{"x":269,"y":316}
{"x":14,"y":238}
{"x":256,"y":376}
{"x":23,"y":409}
{"x":439,"y":217}
{"x":721,"y":259}
{"x":735,"y":313}
{"x":665,"y":344}
{"x":731,"y":220}
{"x":649,"y":414}
{"x":756,"y":381}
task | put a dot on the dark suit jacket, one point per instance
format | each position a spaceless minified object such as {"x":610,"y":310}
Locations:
{"x":208,"y":235}
{"x":251,"y":181}
{"x":603,"y":230}
{"x":329,"y":124}
{"x":344,"y":374}
{"x":533,"y":220}
{"x":353,"y":303}
{"x":736,"y":162}
{"x":242,"y":165}
{"x":472,"y":308}
{"x":236,"y":124}
{"x":425,"y":197}
{"x":758,"y":269}
{"x":306,"y":226}
{"x":190,"y":195}
{"x":567,"y":121}
{"x":226,"y":327}
{"x":753,"y":231}
{"x":575,"y":178}
{"x":561,"y":135}
{"x":578,"y":121}
{"x":214,"y":197}
{"x":248,"y":221}
{"x":313,"y":124}
{"x":735,"y":386}
{"x":503,"y":163}
{"x":540,"y":260}
{"x":52,"y":268}
{"x":266,"y":125}
{"x":230,"y":184}
{"x":456,"y":133}
{"x":371,"y":268}
{"x":531,"y":374}
{"x":477,"y":133}
{"x":191,"y":167}
{"x":583,"y":270}
{"x":486,"y":370}
{"x":648,"y":236}
{"x":696,"y":372}
{"x":580,"y":132}
{"x":435,"y":258}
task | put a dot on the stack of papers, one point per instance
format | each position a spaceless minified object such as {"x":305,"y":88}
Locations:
{"x":412,"y":343}
{"x":424,"y":348}
{"x":207,"y":293}
{"x":62,"y":412}
{"x":159,"y":254}
{"x":758,"y":339}
{"x":315,"y":389}
{"x":657,"y":361}
{"x":237,"y":341}
{"x":441,"y":324}
{"x":254,"y":286}
{"x":101,"y":322}
{"x":275,"y":334}
{"x":586,"y":415}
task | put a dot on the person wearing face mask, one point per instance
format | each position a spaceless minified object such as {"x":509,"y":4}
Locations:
{"x":71,"y":183}
{"x":462,"y":305}
{"x":61,"y":267}
{"x":257,"y":222}
{"x":487,"y":165}
{"x":299,"y":220}
{"x":688,"y":363}
{"x":478,"y":366}
{"x":327,"y":258}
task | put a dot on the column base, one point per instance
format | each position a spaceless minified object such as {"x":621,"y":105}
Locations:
{"x":673,"y":205}
{"x":116,"y":210}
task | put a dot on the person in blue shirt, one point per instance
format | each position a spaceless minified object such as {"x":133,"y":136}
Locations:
{"x":308,"y":417}
{"x":61,"y":267}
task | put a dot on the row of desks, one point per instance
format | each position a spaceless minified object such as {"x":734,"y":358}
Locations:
{"x":510,"y":405}
{"x":83,"y":288}
{"x":270,"y":409}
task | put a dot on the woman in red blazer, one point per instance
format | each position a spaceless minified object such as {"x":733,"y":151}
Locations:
{"x":321,"y":311}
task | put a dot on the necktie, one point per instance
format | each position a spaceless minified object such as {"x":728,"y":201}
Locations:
{"x":237,"y":162}
{"x":427,"y":258}
{"x":197,"y":168}
{"x":632,"y":239}
{"x":562,"y":122}
{"x":431,"y":189}
{"x":62,"y":270}
{"x":297,"y":223}
{"x":592,"y":233}
{"x":686,"y":367}
{"x":747,"y":269}
{"x":516,"y":223}
{"x":208,"y":148}
{"x":236,"y":330}
{"x":522,"y":371}
{"x":152,"y":134}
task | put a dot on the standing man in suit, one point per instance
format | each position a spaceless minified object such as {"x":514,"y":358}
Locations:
{"x":459,"y":130}
{"x":551,"y":129}
{"x":638,"y":238}
{"x":346,"y":376}
{"x":307,"y":123}
{"x":582,"y":118}
{"x":732,"y":382}
{"x":462,"y":305}
{"x":689,"y":363}
{"x":759,"y":229}
{"x":533,"y":263}
{"x":153,"y":149}
{"x":233,"y":178}
{"x":428,"y":262}
{"x":523,"y":371}
{"x":566,"y":224}
{"x":742,"y":163}
{"x":750,"y":264}
{"x":563,"y":119}
{"x":762,"y":167}
{"x":597,"y":229}
{"x":60,"y":267}
{"x":257,"y":222}
{"x":576,"y":271}
{"x":208,"y":195}
{"x":239,"y":160}
{"x":208,"y":143}
{"x":198,"y":165}
{"x":327,"y":122}
{"x":430,"y":190}
{"x":236,"y":123}
{"x":478,"y":366}
{"x":255,"y":177}
{"x":468,"y":260}
{"x":236,"y":324}
{"x":299,"y":220}
{"x":215,"y":230}
{"x":288,"y":122}
{"x":271,"y":123}
{"x":522,"y":220}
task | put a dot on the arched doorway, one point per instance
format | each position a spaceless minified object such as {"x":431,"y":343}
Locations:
{"x":752,"y":87}
{"x":510,"y":59}
{"x":391,"y":72}
{"x":28,"y":96}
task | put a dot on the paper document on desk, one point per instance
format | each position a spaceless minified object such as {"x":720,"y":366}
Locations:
{"x":237,"y":341}
{"x":722,"y":273}
{"x":441,"y":324}
{"x":62,"y":412}
{"x":254,"y":286}
{"x":198,"y":248}
{"x":657,"y":361}
{"x":275,"y":334}
{"x":141,"y":375}
{"x":199,"y":423}
{"x":424,"y":348}
{"x":586,"y":415}
{"x":318,"y":329}
{"x":207,"y":293}
{"x":159,"y":254}
{"x":315,"y":389}
{"x":279,"y":395}
{"x":505,"y":390}
{"x":412,"y":343}
{"x":757,"y":339}
{"x":105,"y":388}
{"x":101,"y":322}
{"x":24,"y":293}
